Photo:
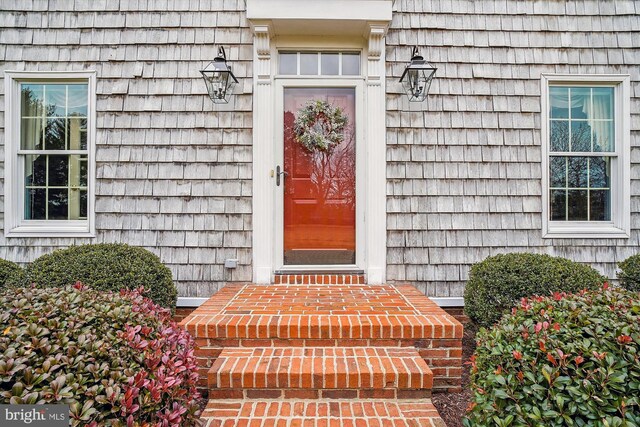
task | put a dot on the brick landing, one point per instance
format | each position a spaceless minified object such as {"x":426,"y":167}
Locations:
{"x":328,"y":316}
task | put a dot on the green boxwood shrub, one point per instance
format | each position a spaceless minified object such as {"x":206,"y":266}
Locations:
{"x":116,"y":358}
{"x":561,"y":360}
{"x":107,"y":267}
{"x":497,"y":283}
{"x":11,"y":274}
{"x":629,"y":273}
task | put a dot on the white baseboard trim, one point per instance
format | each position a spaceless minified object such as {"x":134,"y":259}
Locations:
{"x":442,"y":302}
{"x":448,"y":301}
{"x":190,"y":301}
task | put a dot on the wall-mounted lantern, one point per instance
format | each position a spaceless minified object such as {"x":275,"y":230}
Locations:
{"x":417,"y":77}
{"x":219,"y":79}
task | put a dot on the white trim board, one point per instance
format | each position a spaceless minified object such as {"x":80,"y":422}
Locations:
{"x":186,"y":302}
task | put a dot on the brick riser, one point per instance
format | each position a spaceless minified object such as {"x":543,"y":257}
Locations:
{"x":443,"y":356}
{"x":301,"y":393}
{"x":319,"y":279}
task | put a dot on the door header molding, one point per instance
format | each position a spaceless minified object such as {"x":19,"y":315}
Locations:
{"x":335,"y":17}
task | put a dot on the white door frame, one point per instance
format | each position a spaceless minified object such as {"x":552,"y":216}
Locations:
{"x":278,"y":232}
{"x":264,"y":205}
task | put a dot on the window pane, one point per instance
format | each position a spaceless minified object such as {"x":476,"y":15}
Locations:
{"x":350,"y":64}
{"x":577,"y":205}
{"x":558,"y":205}
{"x":58,"y":203}
{"x":559,"y":102}
{"x":55,"y":134}
{"x":288,"y":63}
{"x":602,"y":103}
{"x":580,"y":102}
{"x":580,"y":136}
{"x":560,"y":135}
{"x":599,"y":172}
{"x":58,"y":171}
{"x":55,"y":100}
{"x":32,"y":100}
{"x":600,"y":205}
{"x":77,"y":171}
{"x":77,"y":100}
{"x":309,"y":64}
{"x":35,"y":203}
{"x":77,"y":134}
{"x":35,"y":171}
{"x":31,"y":134}
{"x":83,"y":170}
{"x":603,"y":136}
{"x":330,"y":65}
{"x":577,"y":172}
{"x":558,"y":171}
{"x":83,"y":204}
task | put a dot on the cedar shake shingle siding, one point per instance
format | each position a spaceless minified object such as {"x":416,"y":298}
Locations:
{"x":464,"y":167}
{"x":174,"y":172}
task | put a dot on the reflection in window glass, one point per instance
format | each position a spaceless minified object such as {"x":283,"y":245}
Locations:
{"x":54,"y":117}
{"x":580,"y":188}
{"x":581,"y":120}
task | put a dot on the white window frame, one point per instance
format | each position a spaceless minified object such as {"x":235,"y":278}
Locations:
{"x":14,"y":223}
{"x":620,"y":224}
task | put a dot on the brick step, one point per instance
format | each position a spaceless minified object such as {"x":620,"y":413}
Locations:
{"x":322,"y":413}
{"x":319,"y":373}
{"x":307,"y":316}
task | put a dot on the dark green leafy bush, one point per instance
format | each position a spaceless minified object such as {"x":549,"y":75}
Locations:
{"x":562,"y":360}
{"x":116,"y":359}
{"x":629,"y":273}
{"x":497,"y":283}
{"x":107,"y":267}
{"x":11,"y":274}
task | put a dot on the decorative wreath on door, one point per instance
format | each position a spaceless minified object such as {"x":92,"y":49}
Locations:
{"x":319,"y":126}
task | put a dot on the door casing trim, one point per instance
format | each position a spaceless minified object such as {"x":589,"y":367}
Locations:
{"x":372,"y":113}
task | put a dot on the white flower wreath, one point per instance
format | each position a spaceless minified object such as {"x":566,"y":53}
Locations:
{"x":319,"y":126}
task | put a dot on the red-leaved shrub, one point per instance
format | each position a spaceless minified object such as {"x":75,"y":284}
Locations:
{"x":561,"y":360}
{"x":116,"y":359}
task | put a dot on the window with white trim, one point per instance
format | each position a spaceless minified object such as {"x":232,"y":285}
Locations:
{"x":49,"y":153}
{"x":319,"y":63}
{"x":586,"y":163}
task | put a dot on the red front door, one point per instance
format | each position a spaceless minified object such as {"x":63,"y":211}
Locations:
{"x":320,"y":186}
